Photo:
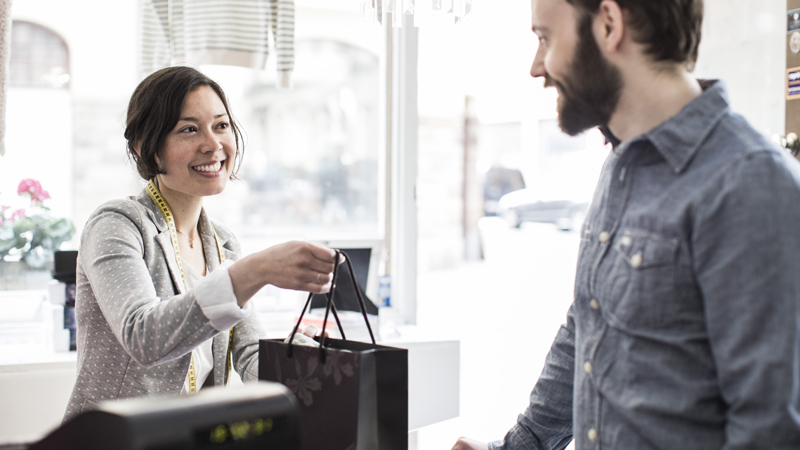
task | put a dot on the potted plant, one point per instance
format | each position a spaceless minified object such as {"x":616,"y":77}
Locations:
{"x":29,"y":234}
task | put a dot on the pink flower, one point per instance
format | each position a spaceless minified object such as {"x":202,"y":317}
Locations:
{"x":32,"y":187}
{"x":16,"y":215}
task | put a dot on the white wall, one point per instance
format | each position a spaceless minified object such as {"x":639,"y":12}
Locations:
{"x":744,"y":44}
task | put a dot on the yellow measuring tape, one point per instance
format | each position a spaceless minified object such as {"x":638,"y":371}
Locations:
{"x":155,"y":194}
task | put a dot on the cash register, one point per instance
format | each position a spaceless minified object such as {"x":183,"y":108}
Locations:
{"x":259,"y":415}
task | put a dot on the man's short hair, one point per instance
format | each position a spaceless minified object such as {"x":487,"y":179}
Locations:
{"x":669,"y":29}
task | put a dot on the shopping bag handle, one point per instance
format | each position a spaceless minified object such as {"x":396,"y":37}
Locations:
{"x":330,"y":306}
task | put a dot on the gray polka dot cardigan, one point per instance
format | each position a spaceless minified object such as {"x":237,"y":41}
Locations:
{"x":136,"y":327}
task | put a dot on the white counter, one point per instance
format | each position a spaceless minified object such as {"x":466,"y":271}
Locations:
{"x":35,"y":384}
{"x":34,"y":396}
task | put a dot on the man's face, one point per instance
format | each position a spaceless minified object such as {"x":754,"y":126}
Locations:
{"x":568,"y":57}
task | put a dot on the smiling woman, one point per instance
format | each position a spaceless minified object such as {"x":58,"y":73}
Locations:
{"x":158,"y":314}
{"x":195,"y":97}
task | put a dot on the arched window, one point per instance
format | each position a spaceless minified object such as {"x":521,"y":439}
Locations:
{"x":39,"y":57}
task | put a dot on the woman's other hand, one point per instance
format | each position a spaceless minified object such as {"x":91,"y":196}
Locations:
{"x":296,"y":265}
{"x":305,"y":335}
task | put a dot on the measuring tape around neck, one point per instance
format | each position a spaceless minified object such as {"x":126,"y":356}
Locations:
{"x":158,"y":199}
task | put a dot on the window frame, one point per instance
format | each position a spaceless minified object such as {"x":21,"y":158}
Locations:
{"x":401,"y":158}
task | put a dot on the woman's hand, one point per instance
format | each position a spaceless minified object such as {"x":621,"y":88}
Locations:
{"x":305,"y":335}
{"x":310,"y":331}
{"x":301,"y":266}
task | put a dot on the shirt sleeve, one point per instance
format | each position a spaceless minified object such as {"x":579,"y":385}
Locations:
{"x":547,"y":422}
{"x":214,"y":294}
{"x":746,"y":250}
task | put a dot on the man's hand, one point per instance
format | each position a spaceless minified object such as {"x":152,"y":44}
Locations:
{"x":470,"y":444}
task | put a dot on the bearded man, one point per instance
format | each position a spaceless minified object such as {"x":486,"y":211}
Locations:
{"x":682,"y":330}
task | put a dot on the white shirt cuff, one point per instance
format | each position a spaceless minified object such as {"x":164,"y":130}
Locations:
{"x":214,"y":294}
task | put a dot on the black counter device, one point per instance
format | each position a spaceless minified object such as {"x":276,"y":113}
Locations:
{"x":254,"y":416}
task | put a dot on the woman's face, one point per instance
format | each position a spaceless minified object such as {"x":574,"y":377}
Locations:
{"x":198,"y":154}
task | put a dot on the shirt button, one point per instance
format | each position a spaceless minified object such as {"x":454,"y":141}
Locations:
{"x":636,"y":260}
{"x":587,"y":366}
{"x":592,"y":435}
{"x":594,"y":304}
{"x":604,"y":237}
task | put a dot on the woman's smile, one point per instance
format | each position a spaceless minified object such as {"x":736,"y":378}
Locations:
{"x":213,"y":168}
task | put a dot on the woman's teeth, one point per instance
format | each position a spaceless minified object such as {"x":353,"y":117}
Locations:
{"x":209,"y":168}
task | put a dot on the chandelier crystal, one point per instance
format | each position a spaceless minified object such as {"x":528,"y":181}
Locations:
{"x":424,"y":12}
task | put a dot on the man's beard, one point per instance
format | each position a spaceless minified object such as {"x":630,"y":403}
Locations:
{"x":591,"y":90}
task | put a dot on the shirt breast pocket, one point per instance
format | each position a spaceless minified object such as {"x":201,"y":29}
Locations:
{"x":639,"y":283}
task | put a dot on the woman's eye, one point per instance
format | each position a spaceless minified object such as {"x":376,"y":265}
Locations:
{"x":189,"y":130}
{"x":223,"y":125}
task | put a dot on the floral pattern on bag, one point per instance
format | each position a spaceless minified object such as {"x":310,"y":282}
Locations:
{"x":334,"y":366}
{"x":304,"y":385}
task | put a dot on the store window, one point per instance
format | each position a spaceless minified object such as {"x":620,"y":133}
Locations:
{"x":39,"y":97}
{"x":311,"y":165}
{"x":312,"y":155}
{"x":312,"y":161}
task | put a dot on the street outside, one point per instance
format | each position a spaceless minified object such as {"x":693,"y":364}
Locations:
{"x":506,"y":310}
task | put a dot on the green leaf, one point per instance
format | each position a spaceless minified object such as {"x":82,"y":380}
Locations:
{"x":60,"y":228}
{"x":6,"y":233}
{"x":23,"y":225}
{"x":21,"y":242}
{"x":6,"y":246}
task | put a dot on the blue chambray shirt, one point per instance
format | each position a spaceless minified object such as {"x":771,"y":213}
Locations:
{"x":682,"y":332}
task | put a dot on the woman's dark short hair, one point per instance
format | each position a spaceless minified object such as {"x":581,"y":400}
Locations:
{"x":670,"y":30}
{"x":154,"y":110}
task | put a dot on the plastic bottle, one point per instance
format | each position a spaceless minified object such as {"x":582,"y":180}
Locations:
{"x":384,"y":281}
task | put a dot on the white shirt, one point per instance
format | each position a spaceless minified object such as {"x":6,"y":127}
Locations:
{"x":215,"y":296}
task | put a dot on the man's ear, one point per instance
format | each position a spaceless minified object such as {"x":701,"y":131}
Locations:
{"x":609,"y":26}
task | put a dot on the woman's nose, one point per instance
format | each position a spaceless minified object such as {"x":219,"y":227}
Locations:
{"x":211,"y":142}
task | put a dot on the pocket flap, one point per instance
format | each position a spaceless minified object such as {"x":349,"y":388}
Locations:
{"x":643,"y":249}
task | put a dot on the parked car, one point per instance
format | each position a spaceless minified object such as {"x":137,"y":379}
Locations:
{"x":497,"y":182}
{"x":525,"y":205}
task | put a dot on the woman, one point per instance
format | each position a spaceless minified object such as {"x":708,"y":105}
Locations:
{"x":161,"y":289}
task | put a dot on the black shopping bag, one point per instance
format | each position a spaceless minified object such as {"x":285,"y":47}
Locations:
{"x":352,"y":395}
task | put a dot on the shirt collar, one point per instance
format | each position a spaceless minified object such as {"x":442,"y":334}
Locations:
{"x":609,"y":136}
{"x":679,"y":138}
